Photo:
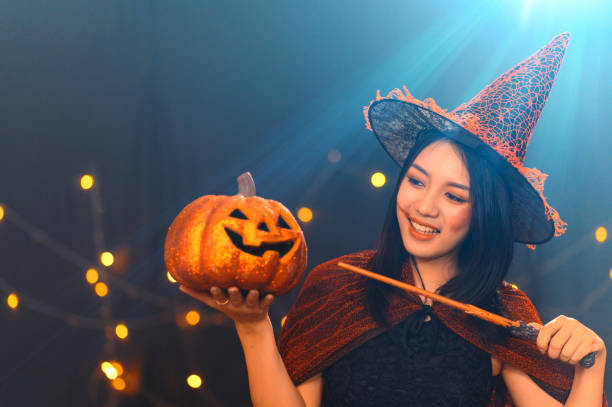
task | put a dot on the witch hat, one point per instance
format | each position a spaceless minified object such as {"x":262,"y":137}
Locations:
{"x":498,"y":121}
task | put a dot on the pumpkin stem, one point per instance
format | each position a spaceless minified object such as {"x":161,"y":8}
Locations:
{"x":246,"y":185}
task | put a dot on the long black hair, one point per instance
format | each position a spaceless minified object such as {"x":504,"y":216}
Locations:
{"x":484,"y":256}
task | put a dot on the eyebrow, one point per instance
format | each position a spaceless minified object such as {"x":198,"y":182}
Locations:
{"x":453,"y":184}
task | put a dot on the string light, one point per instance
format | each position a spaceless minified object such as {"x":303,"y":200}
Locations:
{"x":109,"y":370}
{"x":107,"y":259}
{"x":378,"y":179}
{"x":170,"y":278}
{"x":304,"y":214}
{"x":601,"y":234}
{"x":283,"y":320}
{"x":192,"y":317}
{"x":121,"y":331}
{"x":194,"y":381}
{"x":1,"y":212}
{"x":101,"y":289}
{"x":87,"y":181}
{"x":118,"y":367}
{"x":118,"y":384}
{"x":91,"y":276}
{"x":12,"y":300}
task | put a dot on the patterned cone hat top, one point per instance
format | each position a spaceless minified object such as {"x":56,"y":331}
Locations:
{"x":498,"y":121}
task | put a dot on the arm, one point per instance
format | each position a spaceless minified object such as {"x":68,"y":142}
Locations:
{"x":568,"y":340}
{"x":269,"y":382}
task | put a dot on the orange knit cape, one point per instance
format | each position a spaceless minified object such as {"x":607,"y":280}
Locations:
{"x":330,"y":318}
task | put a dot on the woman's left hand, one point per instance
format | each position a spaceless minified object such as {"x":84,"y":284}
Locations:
{"x":568,"y":340}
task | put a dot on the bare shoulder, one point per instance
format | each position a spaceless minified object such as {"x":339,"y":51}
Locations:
{"x":312,"y":390}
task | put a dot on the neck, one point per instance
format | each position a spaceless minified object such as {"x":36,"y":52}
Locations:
{"x":434,"y":272}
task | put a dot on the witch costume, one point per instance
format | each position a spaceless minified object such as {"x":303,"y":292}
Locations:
{"x":434,"y":355}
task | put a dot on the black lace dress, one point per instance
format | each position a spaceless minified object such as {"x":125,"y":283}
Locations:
{"x":415,"y":363}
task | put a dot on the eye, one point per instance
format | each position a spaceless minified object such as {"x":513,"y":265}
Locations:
{"x":415,"y":181}
{"x":282,"y":224}
{"x":237,"y":213}
{"x":455,"y":198}
{"x":263,"y":226}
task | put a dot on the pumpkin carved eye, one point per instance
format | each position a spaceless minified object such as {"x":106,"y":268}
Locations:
{"x":237,"y":213}
{"x":281,"y":223}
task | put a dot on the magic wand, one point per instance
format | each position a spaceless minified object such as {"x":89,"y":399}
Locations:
{"x":518,"y":329}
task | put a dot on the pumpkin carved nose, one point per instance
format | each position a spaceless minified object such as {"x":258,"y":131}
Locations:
{"x":263,"y":226}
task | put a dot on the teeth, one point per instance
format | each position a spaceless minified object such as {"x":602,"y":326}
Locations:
{"x":424,"y":229}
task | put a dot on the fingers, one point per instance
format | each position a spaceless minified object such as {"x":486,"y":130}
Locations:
{"x":567,"y":339}
{"x":217,"y":298}
{"x":547,"y":331}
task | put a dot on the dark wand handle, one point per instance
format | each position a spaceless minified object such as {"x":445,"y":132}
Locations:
{"x":530,"y":333}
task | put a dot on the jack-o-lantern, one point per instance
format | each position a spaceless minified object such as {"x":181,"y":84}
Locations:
{"x":241,"y":240}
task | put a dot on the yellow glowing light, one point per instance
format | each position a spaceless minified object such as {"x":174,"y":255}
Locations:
{"x":601,"y":234}
{"x":117,"y":367}
{"x":107,"y":259}
{"x":105,"y":365}
{"x":170,"y":278}
{"x":91,"y":276}
{"x":109,"y":370}
{"x":194,"y":381}
{"x":192,"y":317}
{"x":378,"y":179}
{"x":1,"y":212}
{"x":304,"y":214}
{"x":610,"y":274}
{"x":515,"y":286}
{"x":12,"y":300}
{"x":283,"y":320}
{"x":87,"y":181}
{"x":118,"y":384}
{"x":101,"y":289}
{"x":121,"y":331}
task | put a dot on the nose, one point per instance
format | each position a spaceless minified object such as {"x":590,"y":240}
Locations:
{"x":428,"y":204}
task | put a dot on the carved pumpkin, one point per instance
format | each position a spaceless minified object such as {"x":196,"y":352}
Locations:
{"x":241,"y":240}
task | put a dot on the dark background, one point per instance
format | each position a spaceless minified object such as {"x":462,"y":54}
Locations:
{"x":165,"y":101}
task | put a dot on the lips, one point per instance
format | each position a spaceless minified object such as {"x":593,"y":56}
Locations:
{"x":422,"y":227}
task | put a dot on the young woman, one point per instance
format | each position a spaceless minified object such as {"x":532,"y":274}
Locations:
{"x":461,"y":201}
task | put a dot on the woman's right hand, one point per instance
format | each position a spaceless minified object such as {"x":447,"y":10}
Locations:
{"x":248,"y":310}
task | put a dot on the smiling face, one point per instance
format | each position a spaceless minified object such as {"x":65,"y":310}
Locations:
{"x":433,"y":203}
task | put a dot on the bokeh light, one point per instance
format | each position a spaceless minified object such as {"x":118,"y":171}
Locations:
{"x":109,"y":370}
{"x":194,"y":381}
{"x":378,"y":179}
{"x":601,"y":234}
{"x":87,"y":181}
{"x":1,"y":212}
{"x":101,"y":289}
{"x":192,"y":317}
{"x":12,"y":300}
{"x":304,"y":214}
{"x":334,"y":156}
{"x":121,"y":330}
{"x":107,"y":259}
{"x":92,"y":276}
{"x":611,"y":274}
{"x":170,"y":278}
{"x":118,"y":367}
{"x":118,"y":384}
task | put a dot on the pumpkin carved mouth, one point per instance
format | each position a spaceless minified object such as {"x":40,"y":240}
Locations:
{"x":281,"y":247}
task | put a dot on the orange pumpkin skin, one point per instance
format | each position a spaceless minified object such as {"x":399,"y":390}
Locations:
{"x":210,"y":243}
